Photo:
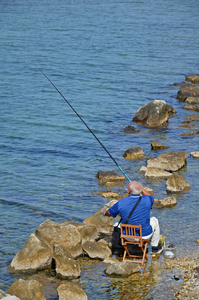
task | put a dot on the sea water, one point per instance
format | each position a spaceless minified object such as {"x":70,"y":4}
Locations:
{"x":108,"y":58}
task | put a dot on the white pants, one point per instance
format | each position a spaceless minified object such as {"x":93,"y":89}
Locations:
{"x":155,"y":235}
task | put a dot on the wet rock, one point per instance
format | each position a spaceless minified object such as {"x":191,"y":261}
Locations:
{"x":177,"y":183}
{"x":187,"y":126}
{"x":193,"y":78}
{"x":66,"y":266}
{"x":191,"y":107}
{"x":169,"y":161}
{"x":162,"y":240}
{"x":122,"y":269}
{"x":195,"y":154}
{"x":166,"y":202}
{"x":158,"y":146}
{"x":190,"y":133}
{"x":110,"y":260}
{"x":71,"y":291}
{"x":35,"y":255}
{"x":192,"y":100}
{"x":154,"y":114}
{"x":26,"y":290}
{"x":197,"y":242}
{"x":97,"y":250}
{"x":156,"y":173}
{"x":103,"y":223}
{"x":64,"y":234}
{"x":188,"y":91}
{"x":191,"y":118}
{"x":134,"y":153}
{"x":131,"y":129}
{"x":109,"y":176}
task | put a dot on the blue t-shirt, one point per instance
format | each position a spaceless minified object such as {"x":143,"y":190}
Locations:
{"x":140,"y":216}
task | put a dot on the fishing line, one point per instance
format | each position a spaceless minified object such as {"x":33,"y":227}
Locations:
{"x":81,"y":119}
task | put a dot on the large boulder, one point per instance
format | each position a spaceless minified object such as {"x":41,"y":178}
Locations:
{"x":134,"y":153}
{"x":97,"y":250}
{"x":154,"y":114}
{"x":71,"y":291}
{"x":177,"y":183}
{"x":35,"y":255}
{"x":188,"y":91}
{"x":122,"y":269}
{"x":64,"y":234}
{"x":65,"y":266}
{"x":87,"y":231}
{"x":169,"y":161}
{"x":103,"y":223}
{"x":26,"y":290}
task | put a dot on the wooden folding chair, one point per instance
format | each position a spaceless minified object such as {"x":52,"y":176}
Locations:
{"x":132,"y":235}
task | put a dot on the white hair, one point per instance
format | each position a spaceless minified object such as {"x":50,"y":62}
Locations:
{"x":135,"y":187}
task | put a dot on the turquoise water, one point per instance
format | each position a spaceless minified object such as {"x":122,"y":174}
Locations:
{"x":108,"y":59}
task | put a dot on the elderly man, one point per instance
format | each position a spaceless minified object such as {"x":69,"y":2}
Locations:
{"x":141,"y":215}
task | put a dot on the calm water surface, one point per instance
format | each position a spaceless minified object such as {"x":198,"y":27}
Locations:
{"x":108,"y":59}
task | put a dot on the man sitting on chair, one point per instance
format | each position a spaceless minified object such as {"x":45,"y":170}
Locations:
{"x":141,"y":215}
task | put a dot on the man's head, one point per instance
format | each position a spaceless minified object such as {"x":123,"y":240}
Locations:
{"x":134,"y":187}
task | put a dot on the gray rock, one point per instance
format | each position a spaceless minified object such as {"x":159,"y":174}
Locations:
{"x":71,"y":291}
{"x":169,"y":161}
{"x":134,"y":153}
{"x":26,"y":290}
{"x":177,"y":183}
{"x":35,"y":255}
{"x":122,"y":269}
{"x":97,"y":250}
{"x":154,"y":114}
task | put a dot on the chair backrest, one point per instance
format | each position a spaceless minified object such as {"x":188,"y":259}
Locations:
{"x":131,"y":232}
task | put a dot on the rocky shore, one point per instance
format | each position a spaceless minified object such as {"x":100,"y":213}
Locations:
{"x":59,"y":248}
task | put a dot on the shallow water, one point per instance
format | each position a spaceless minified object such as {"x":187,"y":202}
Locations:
{"x":107,"y":59}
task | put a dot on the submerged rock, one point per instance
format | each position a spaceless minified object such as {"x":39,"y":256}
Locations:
{"x":71,"y":291}
{"x":26,"y":290}
{"x":191,"y":118}
{"x":130,"y":129}
{"x":177,"y":183}
{"x":154,"y":114}
{"x":122,"y":269}
{"x":134,"y":153}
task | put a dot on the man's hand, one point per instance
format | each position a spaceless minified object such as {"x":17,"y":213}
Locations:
{"x":106,"y":213}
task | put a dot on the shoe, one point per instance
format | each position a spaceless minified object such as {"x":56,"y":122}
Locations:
{"x":157,"y":250}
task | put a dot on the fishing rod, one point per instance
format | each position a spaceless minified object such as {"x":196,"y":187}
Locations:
{"x":81,"y":119}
